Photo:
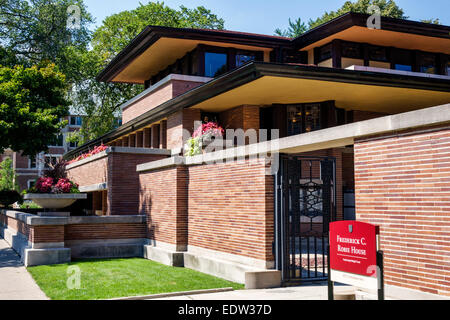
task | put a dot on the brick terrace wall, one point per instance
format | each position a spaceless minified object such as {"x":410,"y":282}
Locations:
{"x":165,"y":93}
{"x":123,"y":182}
{"x":91,"y":173}
{"x":35,"y":234}
{"x":105,"y":231}
{"x":163,"y":198}
{"x":231,"y":208}
{"x":403,"y":185}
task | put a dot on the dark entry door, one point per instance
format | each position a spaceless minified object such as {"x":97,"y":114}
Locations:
{"x":306,"y":203}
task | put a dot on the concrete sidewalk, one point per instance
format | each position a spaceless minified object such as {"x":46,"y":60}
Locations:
{"x":15,"y":281}
{"x":307,"y":292}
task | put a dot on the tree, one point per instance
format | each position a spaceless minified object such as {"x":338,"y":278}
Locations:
{"x":100,"y":102}
{"x":8,"y":178}
{"x":432,"y":21}
{"x":388,"y":8}
{"x":9,"y":188}
{"x":37,"y":30}
{"x":294,"y":30}
{"x":32,"y":102}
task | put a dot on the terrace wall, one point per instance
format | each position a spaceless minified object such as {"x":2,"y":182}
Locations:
{"x":403,"y":186}
{"x":51,"y":240}
{"x":231,"y":209}
{"x":117,"y":168}
{"x":170,"y":87}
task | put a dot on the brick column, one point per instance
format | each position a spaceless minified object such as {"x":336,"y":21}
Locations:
{"x":163,"y":135}
{"x":147,"y":138}
{"x":155,"y":136}
{"x":132,"y":141}
{"x":139,"y":139}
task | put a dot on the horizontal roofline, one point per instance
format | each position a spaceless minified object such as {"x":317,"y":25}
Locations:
{"x":151,"y":34}
{"x":351,"y":19}
{"x":256,"y":70}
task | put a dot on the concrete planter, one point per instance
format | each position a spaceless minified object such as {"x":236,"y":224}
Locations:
{"x":55,"y":201}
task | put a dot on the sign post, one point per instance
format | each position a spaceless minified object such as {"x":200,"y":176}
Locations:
{"x":355,"y":257}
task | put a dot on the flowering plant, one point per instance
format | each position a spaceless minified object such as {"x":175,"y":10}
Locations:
{"x":201,"y":136}
{"x":54,"y":181}
{"x":54,"y":186}
{"x":94,"y":151}
{"x":210,"y":129}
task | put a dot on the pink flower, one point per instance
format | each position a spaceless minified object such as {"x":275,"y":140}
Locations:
{"x":210,"y":128}
{"x":44,"y":185}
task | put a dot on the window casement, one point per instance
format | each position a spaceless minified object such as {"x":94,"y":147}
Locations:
{"x":31,"y":183}
{"x":427,"y":63}
{"x":377,"y":53}
{"x":351,"y":50}
{"x":51,"y":160}
{"x":32,"y":162}
{"x":304,"y":118}
{"x":76,"y":121}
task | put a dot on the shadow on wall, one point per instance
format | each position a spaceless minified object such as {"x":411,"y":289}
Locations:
{"x":144,"y":209}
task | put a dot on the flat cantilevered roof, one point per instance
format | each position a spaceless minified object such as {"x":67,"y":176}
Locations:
{"x":157,"y":47}
{"x":268,"y":83}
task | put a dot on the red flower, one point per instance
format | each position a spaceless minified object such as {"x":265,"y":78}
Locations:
{"x":44,"y":185}
{"x":210,"y":128}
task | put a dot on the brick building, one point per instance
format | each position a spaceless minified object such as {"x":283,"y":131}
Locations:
{"x":356,"y":125}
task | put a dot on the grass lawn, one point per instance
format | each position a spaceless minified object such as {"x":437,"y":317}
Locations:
{"x":116,"y":278}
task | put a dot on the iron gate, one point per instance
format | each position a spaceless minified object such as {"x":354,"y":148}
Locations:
{"x":306,"y":203}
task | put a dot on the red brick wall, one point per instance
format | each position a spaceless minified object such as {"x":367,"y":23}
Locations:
{"x":91,"y":173}
{"x":35,"y":234}
{"x":244,"y":117}
{"x":165,"y":93}
{"x":105,"y":231}
{"x":403,"y":185}
{"x":176,"y":122}
{"x":123,"y":182}
{"x":231,"y":209}
{"x":163,"y":198}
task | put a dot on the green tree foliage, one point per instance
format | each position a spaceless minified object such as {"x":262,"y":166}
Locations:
{"x":432,"y":21}
{"x":8,"y":179}
{"x":32,"y":102}
{"x":388,"y":8}
{"x":295,"y":29}
{"x":100,"y":101}
{"x":36,"y":30}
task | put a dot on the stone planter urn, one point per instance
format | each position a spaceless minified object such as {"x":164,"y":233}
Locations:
{"x":55,"y":201}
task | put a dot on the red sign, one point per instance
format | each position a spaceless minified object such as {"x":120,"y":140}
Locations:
{"x":353,"y":247}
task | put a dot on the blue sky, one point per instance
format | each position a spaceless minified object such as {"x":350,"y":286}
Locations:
{"x":264,"y":16}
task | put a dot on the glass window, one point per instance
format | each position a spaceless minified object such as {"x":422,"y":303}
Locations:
{"x":215,"y":64}
{"x":403,"y":67}
{"x":242,"y":59}
{"x":31,"y":183}
{"x":59,"y":141}
{"x":352,"y":50}
{"x":32,"y":164}
{"x":303,"y":118}
{"x":428,"y":64}
{"x":73,"y":144}
{"x":312,"y":117}
{"x":403,"y":60}
{"x":50,"y":160}
{"x":325,"y":52}
{"x":76,"y":121}
{"x":378,"y":54}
